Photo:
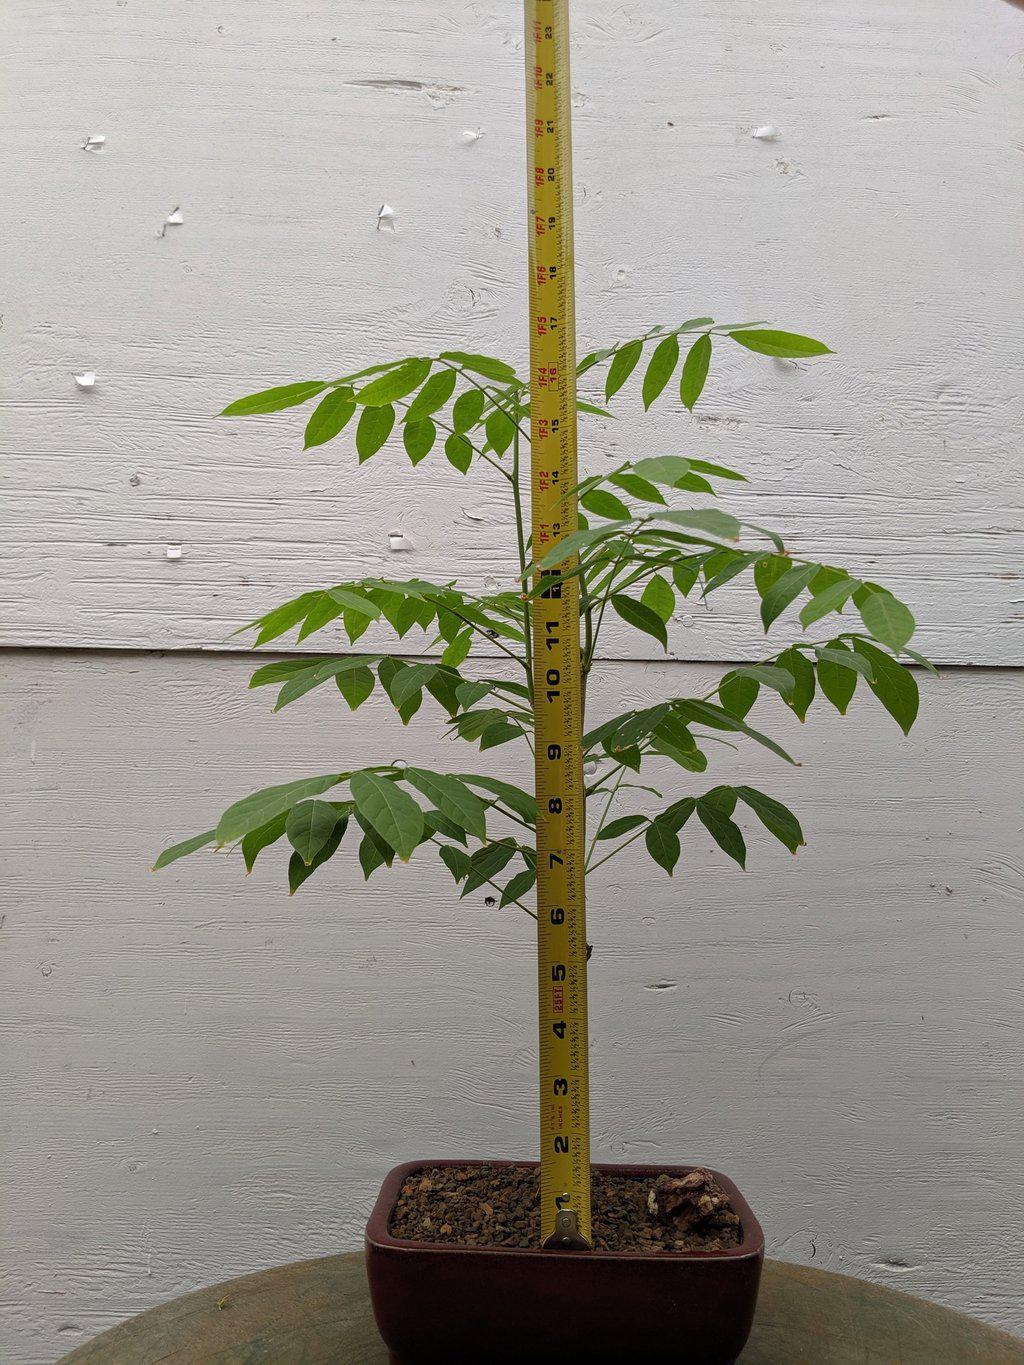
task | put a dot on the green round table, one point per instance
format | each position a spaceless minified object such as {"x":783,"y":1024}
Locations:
{"x":319,"y":1311}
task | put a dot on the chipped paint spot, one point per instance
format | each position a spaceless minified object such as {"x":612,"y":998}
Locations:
{"x":86,"y":380}
{"x":173,"y":551}
{"x":174,"y":219}
{"x":438,"y":94}
{"x":767,"y":132}
{"x":94,"y":143}
{"x":386,"y":219}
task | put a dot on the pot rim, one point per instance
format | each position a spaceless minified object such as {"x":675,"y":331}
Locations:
{"x":378,"y":1235}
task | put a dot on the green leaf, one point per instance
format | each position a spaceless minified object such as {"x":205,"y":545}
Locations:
{"x":257,"y":809}
{"x":686,"y":572}
{"x":373,"y":851}
{"x":299,"y":870}
{"x":737,"y":693}
{"x":387,"y":671}
{"x":443,"y":686}
{"x":456,"y":860}
{"x":275,"y":400}
{"x":356,"y":624}
{"x":838,"y":682}
{"x":676,"y":815}
{"x":833,"y":598}
{"x":388,"y":388}
{"x":594,"y":358}
{"x":801,"y":670}
{"x":625,"y":824}
{"x":280,"y":671}
{"x":695,"y":371}
{"x":659,"y":597}
{"x":845,"y":659}
{"x":374,"y":428}
{"x":501,"y":733}
{"x":392,"y":812}
{"x":349,"y":600}
{"x":182,"y":850}
{"x":893,"y":685}
{"x":718,"y":471}
{"x":636,"y":487}
{"x":775,"y":817}
{"x":672,"y":738}
{"x":469,"y":693}
{"x":722,"y":798}
{"x":458,"y":649}
{"x":888,"y":620}
{"x":282,"y":618}
{"x":768,"y":570}
{"x":500,"y":429}
{"x":319,"y":672}
{"x":605,"y":504}
{"x":767,"y":675}
{"x":665,"y":469}
{"x":660,"y":368}
{"x":452,"y":798}
{"x":662,"y":844}
{"x":917,"y":658}
{"x":419,"y":437}
{"x":433,"y":395}
{"x":514,"y":797}
{"x":732,"y":569}
{"x":695,"y":483}
{"x":640,"y":617}
{"x":784,"y":591}
{"x":459,"y":452}
{"x":436,"y":823}
{"x":487,"y":862}
{"x":324,"y":610}
{"x":725,"y":832}
{"x":633,"y":727}
{"x":467,"y":410}
{"x":258,"y":839}
{"x":411,"y":679}
{"x":330,"y":417}
{"x":708,"y":519}
{"x":486,"y":365}
{"x":308,"y":827}
{"x":622,"y":366}
{"x":785,"y":344}
{"x":705,"y":713}
{"x":517,"y":887}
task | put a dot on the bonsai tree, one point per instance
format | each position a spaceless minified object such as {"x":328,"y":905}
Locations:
{"x":642,"y":546}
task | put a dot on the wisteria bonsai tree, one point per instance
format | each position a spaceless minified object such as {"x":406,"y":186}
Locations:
{"x":642,"y":545}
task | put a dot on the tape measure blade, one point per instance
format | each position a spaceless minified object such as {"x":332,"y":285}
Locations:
{"x":558,"y":710}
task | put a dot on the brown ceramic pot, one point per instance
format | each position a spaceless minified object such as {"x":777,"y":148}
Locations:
{"x":436,"y":1303}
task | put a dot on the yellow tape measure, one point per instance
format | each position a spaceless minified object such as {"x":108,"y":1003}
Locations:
{"x":558,"y":708}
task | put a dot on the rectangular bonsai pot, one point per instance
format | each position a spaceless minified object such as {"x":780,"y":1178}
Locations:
{"x":436,"y":1302}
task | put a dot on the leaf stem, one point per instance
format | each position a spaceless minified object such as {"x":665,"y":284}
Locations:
{"x":604,"y":816}
{"x":625,"y":843}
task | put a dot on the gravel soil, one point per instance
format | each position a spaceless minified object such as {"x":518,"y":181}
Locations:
{"x":499,"y":1206}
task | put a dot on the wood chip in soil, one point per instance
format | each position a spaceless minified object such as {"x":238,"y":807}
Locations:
{"x":499,"y":1206}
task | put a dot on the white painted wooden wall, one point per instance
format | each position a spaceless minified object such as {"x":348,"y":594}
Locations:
{"x":202,"y":1076}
